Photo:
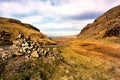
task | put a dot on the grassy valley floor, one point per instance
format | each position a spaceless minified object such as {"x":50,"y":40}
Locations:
{"x":93,"y":60}
{"x":81,"y":60}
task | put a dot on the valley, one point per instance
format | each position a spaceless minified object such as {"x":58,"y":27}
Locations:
{"x":28,"y":54}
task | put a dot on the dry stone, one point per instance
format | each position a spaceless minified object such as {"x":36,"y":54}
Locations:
{"x":35,"y":54}
{"x":30,"y":49}
{"x":17,"y":53}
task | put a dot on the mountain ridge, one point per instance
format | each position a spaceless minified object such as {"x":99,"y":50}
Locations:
{"x":11,"y":28}
{"x":103,"y":25}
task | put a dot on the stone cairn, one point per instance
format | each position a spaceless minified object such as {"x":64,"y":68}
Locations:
{"x":31,"y":49}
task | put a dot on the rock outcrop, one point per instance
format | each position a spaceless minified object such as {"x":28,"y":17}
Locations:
{"x":113,"y":32}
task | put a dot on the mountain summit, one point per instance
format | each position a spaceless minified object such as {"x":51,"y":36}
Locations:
{"x":107,"y":25}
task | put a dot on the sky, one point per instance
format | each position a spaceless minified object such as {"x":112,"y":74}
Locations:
{"x":56,"y":17}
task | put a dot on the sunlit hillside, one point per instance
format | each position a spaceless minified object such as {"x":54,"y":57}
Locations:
{"x":107,"y":25}
{"x":10,"y":29}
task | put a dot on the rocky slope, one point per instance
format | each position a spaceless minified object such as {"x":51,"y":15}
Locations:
{"x":107,"y":25}
{"x":28,"y":60}
{"x":30,"y":55}
{"x":11,"y":28}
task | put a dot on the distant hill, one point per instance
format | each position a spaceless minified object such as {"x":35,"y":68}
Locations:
{"x":11,"y":28}
{"x":107,"y":25}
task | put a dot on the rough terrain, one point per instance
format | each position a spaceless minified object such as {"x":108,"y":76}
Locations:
{"x":11,"y":28}
{"x":93,"y":55}
{"x":107,"y":25}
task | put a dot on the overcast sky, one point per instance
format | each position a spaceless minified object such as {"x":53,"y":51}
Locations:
{"x":56,"y":17}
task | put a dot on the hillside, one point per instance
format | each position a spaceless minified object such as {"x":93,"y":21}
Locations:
{"x":107,"y":25}
{"x":10,"y":29}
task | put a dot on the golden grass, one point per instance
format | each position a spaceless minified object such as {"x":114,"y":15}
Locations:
{"x":83,"y":60}
{"x":15,"y":27}
{"x":93,"y":60}
{"x":98,"y":29}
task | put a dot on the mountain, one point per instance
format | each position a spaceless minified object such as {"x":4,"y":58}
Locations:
{"x":10,"y":29}
{"x":107,"y":25}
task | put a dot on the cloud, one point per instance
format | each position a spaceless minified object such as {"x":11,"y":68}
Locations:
{"x":61,"y":33}
{"x":60,"y":17}
{"x":32,"y":19}
{"x":64,"y":28}
{"x":85,"y":16}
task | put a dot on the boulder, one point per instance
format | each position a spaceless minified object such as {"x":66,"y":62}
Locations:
{"x":17,"y":53}
{"x":35,"y":54}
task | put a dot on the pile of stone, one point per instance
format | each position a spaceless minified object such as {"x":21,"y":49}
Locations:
{"x":31,"y":49}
